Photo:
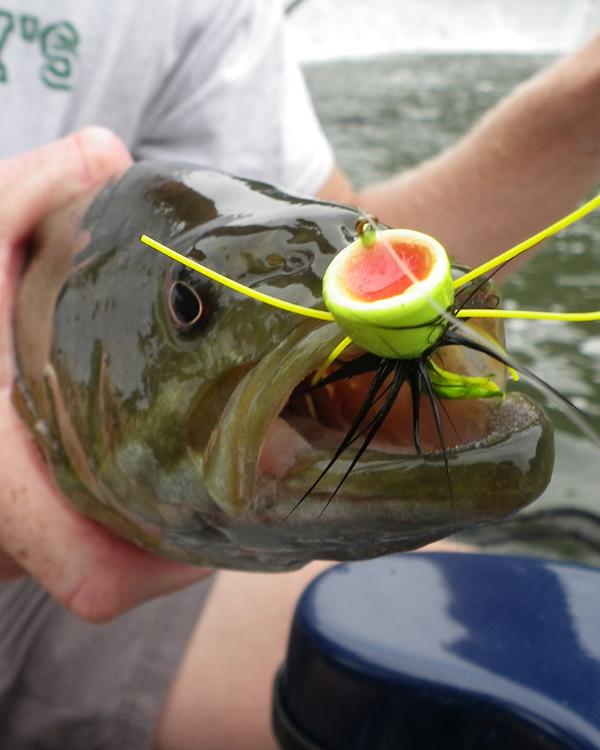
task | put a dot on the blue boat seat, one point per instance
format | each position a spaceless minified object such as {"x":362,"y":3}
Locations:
{"x":443,"y":650}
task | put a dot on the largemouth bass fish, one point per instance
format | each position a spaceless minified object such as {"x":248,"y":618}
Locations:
{"x":178,"y":413}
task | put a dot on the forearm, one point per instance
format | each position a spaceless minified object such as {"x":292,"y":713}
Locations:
{"x":527,"y":162}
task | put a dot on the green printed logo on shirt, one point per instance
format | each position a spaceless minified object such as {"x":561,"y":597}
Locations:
{"x":57,"y":43}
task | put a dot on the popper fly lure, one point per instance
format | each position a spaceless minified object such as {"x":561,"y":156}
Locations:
{"x":393,"y":296}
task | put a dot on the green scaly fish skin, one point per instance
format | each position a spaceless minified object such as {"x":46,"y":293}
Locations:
{"x":155,"y":428}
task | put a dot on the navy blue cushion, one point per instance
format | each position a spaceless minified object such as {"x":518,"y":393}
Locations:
{"x":444,"y":651}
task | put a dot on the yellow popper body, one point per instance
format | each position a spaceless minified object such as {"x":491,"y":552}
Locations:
{"x":389,"y":291}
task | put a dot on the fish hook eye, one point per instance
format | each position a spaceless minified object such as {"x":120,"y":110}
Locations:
{"x":185,"y":305}
{"x":366,"y":224}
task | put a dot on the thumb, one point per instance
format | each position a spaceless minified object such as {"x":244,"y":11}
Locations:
{"x":33,"y":184}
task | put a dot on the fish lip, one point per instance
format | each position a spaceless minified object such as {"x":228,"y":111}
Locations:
{"x":231,"y":466}
{"x":521,"y":446}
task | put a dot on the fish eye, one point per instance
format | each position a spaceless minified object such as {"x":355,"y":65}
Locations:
{"x":185,"y":305}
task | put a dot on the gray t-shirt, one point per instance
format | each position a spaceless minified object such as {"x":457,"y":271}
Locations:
{"x":207,"y":81}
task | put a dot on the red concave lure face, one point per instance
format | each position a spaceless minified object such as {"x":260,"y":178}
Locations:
{"x":384,"y":270}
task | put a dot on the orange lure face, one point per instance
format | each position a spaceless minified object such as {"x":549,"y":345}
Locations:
{"x":385,"y":270}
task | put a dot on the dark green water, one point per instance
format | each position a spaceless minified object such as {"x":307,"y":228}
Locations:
{"x":384,"y":115}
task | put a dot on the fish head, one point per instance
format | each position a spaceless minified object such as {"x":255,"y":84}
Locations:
{"x":180,"y":413}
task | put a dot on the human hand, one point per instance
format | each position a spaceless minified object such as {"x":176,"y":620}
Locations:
{"x":90,"y":571}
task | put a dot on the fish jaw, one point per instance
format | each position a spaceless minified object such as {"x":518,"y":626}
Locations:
{"x":257,"y":468}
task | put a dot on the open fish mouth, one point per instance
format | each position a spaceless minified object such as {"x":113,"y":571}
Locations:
{"x":271,"y":446}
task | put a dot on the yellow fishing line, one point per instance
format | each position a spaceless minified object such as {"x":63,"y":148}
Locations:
{"x":235,"y":285}
{"x":566,"y":221}
{"x":583,"y":317}
{"x":331,"y":358}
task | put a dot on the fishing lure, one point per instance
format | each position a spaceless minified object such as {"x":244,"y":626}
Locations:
{"x":393,"y":295}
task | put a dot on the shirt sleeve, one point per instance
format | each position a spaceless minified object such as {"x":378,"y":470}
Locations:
{"x":235,"y":99}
